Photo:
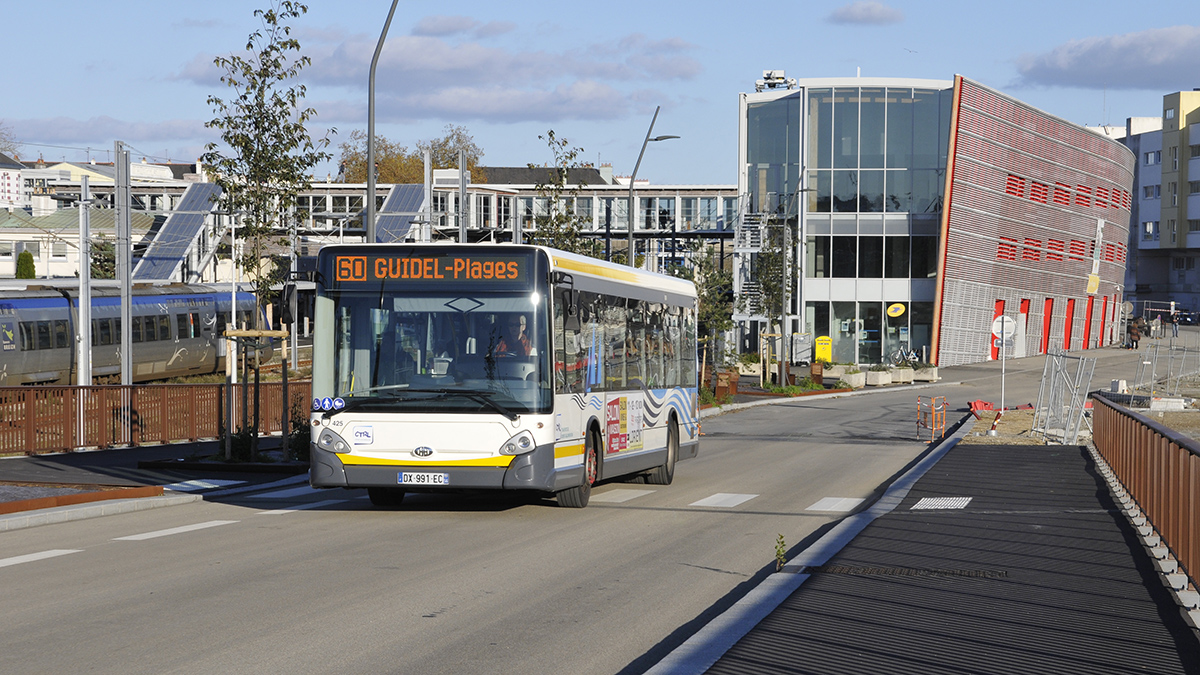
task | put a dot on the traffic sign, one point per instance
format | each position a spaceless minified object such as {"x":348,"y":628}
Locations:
{"x":1004,"y":326}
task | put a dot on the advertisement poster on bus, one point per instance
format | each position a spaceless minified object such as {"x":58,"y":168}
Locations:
{"x":624,"y":417}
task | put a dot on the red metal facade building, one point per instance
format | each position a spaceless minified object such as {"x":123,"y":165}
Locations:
{"x":1034,"y":225}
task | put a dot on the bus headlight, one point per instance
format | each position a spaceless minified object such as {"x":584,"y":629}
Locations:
{"x":332,"y":442}
{"x":519,"y":444}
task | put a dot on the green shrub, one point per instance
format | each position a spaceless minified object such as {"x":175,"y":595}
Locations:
{"x":25,"y":268}
{"x":852,"y":370}
{"x":879,"y":368}
{"x":842,"y":384}
{"x":749,"y":358}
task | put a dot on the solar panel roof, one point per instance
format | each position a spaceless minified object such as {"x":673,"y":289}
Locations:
{"x":403,"y":204}
{"x":178,"y":234}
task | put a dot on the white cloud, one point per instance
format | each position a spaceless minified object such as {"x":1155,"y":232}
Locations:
{"x":866,"y":12}
{"x":439,"y":26}
{"x":102,"y":129}
{"x":1157,"y":59}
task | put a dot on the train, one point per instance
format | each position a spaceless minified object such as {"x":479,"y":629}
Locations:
{"x":176,"y":331}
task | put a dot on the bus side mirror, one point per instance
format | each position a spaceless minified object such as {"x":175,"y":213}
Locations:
{"x":287,"y":305}
{"x":571,"y":310}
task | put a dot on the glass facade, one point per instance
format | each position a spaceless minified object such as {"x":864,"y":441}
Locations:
{"x":874,"y":163}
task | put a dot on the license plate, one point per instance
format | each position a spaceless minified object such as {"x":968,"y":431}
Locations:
{"x":420,"y":478}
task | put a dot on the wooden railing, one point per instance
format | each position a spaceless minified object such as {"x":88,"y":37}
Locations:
{"x":35,"y":420}
{"x":1160,"y":469}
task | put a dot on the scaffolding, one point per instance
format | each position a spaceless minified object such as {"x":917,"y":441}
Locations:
{"x":1062,"y":398}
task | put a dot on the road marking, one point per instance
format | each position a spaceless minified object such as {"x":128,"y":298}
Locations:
{"x":302,"y":491}
{"x":301,"y":507}
{"x":931,"y":503}
{"x":17,"y":560}
{"x":175,"y":530}
{"x":194,"y":485}
{"x":723,"y":500}
{"x":837,"y":504}
{"x":620,"y":495}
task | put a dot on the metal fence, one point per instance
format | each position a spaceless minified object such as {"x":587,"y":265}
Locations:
{"x":1160,"y":470}
{"x":35,"y":420}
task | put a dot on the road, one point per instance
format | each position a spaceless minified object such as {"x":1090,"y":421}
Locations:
{"x":299,"y":581}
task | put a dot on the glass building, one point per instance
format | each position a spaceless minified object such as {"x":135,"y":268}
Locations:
{"x":854,"y":177}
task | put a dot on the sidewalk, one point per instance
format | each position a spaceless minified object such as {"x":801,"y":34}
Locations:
{"x":981,"y":559}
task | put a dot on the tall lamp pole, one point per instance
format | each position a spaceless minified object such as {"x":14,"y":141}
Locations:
{"x":370,"y":212}
{"x":632,"y":254}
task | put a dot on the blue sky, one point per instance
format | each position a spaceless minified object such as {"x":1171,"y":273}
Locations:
{"x":140,"y":71}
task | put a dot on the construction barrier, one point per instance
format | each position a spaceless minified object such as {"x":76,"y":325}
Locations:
{"x":931,"y":417}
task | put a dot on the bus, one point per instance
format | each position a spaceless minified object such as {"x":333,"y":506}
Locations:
{"x":459,"y":367}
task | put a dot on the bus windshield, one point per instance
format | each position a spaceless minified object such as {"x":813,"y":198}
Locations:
{"x":484,"y":353}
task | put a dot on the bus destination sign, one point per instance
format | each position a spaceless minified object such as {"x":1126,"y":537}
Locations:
{"x":430,"y":269}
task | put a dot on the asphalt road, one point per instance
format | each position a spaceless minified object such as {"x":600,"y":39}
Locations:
{"x":299,"y":581}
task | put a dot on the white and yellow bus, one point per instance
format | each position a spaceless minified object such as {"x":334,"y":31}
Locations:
{"x":461,"y":367}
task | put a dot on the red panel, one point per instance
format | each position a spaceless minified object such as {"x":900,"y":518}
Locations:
{"x":999,"y":311}
{"x":1047,"y":316}
{"x":1069,"y":324}
{"x":1103,"y":320}
{"x":1087,"y":324}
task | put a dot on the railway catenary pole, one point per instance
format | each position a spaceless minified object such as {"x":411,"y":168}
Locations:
{"x":83,"y":334}
{"x":121,"y":202}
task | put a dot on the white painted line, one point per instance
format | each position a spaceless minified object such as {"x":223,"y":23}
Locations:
{"x":200,"y":484}
{"x":836,"y":504}
{"x":17,"y":560}
{"x":723,"y":500}
{"x":932,"y":503}
{"x":302,"y":491}
{"x":301,"y":507}
{"x":175,"y":530}
{"x":620,"y":495}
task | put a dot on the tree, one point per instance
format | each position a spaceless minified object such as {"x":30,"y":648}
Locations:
{"x":557,"y":223}
{"x":398,"y":164}
{"x":270,"y":152}
{"x":104,"y":258}
{"x":25,"y":268}
{"x":8,"y":144}
{"x":714,"y":288}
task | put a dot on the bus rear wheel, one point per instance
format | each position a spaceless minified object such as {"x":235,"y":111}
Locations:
{"x":664,"y":474}
{"x":578,"y":496}
{"x":385,"y":496}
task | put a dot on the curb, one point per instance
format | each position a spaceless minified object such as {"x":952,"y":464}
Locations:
{"x":699,"y":652}
{"x":63,"y":514}
{"x":80,"y":498}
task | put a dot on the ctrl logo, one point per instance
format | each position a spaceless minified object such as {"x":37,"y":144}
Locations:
{"x":363,"y":436}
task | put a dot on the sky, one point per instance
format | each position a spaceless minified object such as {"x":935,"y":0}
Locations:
{"x":141,"y":71}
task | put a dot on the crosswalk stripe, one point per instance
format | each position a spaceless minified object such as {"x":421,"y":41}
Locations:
{"x":31,"y":557}
{"x":619,"y":495}
{"x":302,"y":491}
{"x":301,"y":507}
{"x":724,"y":500}
{"x":174,"y":530}
{"x":201,"y":484}
{"x":836,"y":504}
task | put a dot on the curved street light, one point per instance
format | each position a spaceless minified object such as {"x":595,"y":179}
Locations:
{"x":369,"y":224}
{"x":632,"y":250}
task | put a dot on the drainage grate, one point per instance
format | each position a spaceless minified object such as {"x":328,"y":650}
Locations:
{"x":932,"y":503}
{"x":902,"y":572}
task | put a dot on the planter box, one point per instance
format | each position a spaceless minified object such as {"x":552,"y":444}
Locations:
{"x":856,"y":380}
{"x":835,"y":371}
{"x":754,"y":369}
{"x":878,"y":378}
{"x":902,"y":376}
{"x":926,"y":374}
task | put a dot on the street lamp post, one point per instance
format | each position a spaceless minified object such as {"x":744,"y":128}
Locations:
{"x":632,"y":179}
{"x":370,"y":212}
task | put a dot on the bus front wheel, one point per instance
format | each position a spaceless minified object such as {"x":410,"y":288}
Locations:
{"x":578,"y":496}
{"x":385,"y":496}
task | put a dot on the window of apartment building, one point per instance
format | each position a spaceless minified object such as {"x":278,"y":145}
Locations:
{"x":1173,"y":191}
{"x":1171,"y":229}
{"x":1153,"y":157}
{"x":34,"y":248}
{"x":1148,"y":191}
{"x":1195,"y":151}
{"x":6,"y":250}
{"x":1193,"y":224}
{"x":1193,"y":187}
{"x":1178,"y":263}
{"x":1174,"y":158}
{"x":58,"y":250}
{"x":1169,"y":114}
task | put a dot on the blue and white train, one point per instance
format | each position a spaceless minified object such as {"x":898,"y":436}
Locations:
{"x":176,"y":330}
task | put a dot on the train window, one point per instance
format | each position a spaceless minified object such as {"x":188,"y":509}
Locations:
{"x":116,"y":331}
{"x":105,"y":332}
{"x":149,"y":332}
{"x":61,"y":341}
{"x":43,"y":335}
{"x":137,"y":329}
{"x":164,"y":328}
{"x":95,"y":332}
{"x":183,"y":326}
{"x":27,"y":343}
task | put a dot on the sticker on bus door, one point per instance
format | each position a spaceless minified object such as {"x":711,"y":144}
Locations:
{"x":623,"y":418}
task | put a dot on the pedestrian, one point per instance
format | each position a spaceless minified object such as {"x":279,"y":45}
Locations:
{"x":1174,"y":321}
{"x":1134,"y":335}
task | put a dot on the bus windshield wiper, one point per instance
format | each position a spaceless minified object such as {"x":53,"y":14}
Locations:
{"x":482,"y":396}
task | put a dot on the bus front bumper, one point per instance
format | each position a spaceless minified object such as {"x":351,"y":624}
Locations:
{"x":530,"y":471}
